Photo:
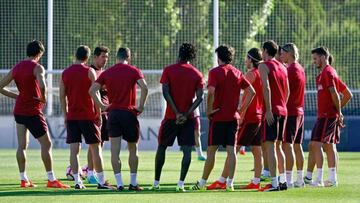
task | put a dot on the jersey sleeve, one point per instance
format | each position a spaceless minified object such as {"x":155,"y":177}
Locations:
{"x":329,"y":78}
{"x":139,"y":74}
{"x":164,"y":77}
{"x":201,"y":82}
{"x":341,"y":86}
{"x":212,"y":79}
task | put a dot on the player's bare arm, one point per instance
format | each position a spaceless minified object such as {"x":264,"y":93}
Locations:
{"x":170,"y":101}
{"x":199,"y":98}
{"x":39,"y":73}
{"x":250,"y":94}
{"x":346,"y":96}
{"x":210,"y":102}
{"x":335,"y":97}
{"x":264,"y":71}
{"x":143,"y":95}
{"x":4,"y":82}
{"x":94,"y":93}
{"x":287,"y":90}
{"x":92,"y":77}
{"x":63,"y":99}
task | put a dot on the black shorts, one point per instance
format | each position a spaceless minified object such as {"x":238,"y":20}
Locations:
{"x":104,"y":130}
{"x":222,"y":133}
{"x":276,"y":131}
{"x":294,"y":132}
{"x":35,"y":124}
{"x":326,"y":130}
{"x":184,"y":133}
{"x":249,"y":134}
{"x":123,"y":123}
{"x":88,"y":128}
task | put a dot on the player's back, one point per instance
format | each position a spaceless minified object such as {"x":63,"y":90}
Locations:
{"x":296,"y":74}
{"x":120,"y":82}
{"x":77,"y":83}
{"x":28,"y":86}
{"x":183,"y":80}
{"x":278,"y":86}
{"x":255,"y":110}
{"x":227,"y":81}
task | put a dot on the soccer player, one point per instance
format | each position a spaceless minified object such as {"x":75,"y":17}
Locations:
{"x":295,"y":121}
{"x":100,"y":58}
{"x":249,"y":131}
{"x":29,"y":77}
{"x":81,"y":115}
{"x":224,"y":86}
{"x":197,"y":133}
{"x":180,"y":82}
{"x":326,"y":131}
{"x":120,"y":81}
{"x":276,"y":93}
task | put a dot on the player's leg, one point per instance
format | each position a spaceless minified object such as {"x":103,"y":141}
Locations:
{"x":91,"y":177}
{"x":289,"y":161}
{"x":115,"y":147}
{"x":272,"y":163}
{"x":319,"y":160}
{"x":198,"y":146}
{"x":255,"y":181}
{"x":299,"y":157}
{"x":38,"y":129}
{"x":133,"y":163}
{"x":208,"y":167}
{"x":166,"y":137}
{"x":159,"y":163}
{"x":265,"y":174}
{"x":23,"y":142}
{"x":310,"y":165}
{"x":331,"y":159}
{"x":299,"y":153}
{"x":186,"y":139}
{"x":74,"y":163}
{"x":281,"y":161}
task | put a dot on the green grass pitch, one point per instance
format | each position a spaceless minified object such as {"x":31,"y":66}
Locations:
{"x":348,"y":175}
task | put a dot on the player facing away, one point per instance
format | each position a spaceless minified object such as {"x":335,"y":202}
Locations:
{"x":276,"y":93}
{"x":120,"y":81}
{"x":326,"y":132}
{"x":250,"y":125}
{"x":100,"y":58}
{"x":81,"y":116}
{"x":294,"y":130}
{"x":180,"y":82}
{"x":223,"y":108}
{"x":197,"y":133}
{"x":29,"y":77}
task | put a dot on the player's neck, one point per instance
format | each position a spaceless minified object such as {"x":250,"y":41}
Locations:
{"x":291,"y":61}
{"x":79,"y":62}
{"x":123,"y":61}
{"x":324,"y":65}
{"x":269,"y":58}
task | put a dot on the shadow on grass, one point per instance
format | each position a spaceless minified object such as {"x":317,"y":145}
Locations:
{"x":170,"y":188}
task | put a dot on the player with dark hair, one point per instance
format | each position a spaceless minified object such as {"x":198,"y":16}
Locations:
{"x":81,"y":115}
{"x":294,"y":130}
{"x":180,"y":82}
{"x":223,"y":109}
{"x":326,"y":132}
{"x":29,"y":77}
{"x":120,"y":81}
{"x":249,"y":131}
{"x":276,"y":93}
{"x":100,"y":58}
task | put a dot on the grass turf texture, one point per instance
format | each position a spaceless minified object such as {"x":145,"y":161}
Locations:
{"x":348,"y":190}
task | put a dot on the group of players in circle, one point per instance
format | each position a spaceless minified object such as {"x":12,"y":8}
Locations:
{"x":100,"y":105}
